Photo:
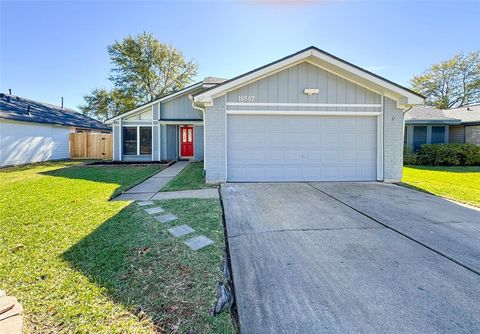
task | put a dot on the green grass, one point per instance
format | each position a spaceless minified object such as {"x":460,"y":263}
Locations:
{"x":79,"y":263}
{"x":190,"y":178}
{"x":456,"y":183}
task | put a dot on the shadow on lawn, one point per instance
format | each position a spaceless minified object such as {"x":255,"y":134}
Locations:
{"x":123,"y":256}
{"x":157,"y":278}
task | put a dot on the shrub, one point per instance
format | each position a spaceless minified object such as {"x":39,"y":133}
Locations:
{"x":445,"y":155}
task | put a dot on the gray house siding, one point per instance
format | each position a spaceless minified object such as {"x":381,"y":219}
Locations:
{"x":171,"y":142}
{"x":288,"y":86}
{"x":392,"y":141}
{"x":456,"y":134}
{"x":117,"y":155}
{"x":179,"y":108}
{"x":198,"y":143}
{"x":215,"y":155}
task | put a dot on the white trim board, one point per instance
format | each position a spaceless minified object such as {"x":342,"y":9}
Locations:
{"x":303,"y":112}
{"x":332,"y":105}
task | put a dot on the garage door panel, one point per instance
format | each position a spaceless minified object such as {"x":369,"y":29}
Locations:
{"x":301,"y":148}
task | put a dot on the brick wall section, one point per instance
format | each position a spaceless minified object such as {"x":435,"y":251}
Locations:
{"x":392,"y":141}
{"x":472,"y":134}
{"x":214,"y":127}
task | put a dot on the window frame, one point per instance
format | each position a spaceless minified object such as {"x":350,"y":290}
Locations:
{"x":137,"y":139}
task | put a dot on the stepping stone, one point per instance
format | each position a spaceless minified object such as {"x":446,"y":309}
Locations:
{"x":145,"y":203}
{"x":180,"y":231}
{"x":198,"y":242}
{"x":166,"y":218}
{"x":155,"y":210}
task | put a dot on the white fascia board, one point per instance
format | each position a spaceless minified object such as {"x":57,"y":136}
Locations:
{"x":165,"y":98}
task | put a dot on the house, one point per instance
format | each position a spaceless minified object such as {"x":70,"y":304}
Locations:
{"x":32,"y":131}
{"x":310,"y":116}
{"x":428,"y":125}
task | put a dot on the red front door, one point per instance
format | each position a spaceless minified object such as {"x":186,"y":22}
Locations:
{"x":186,"y":141}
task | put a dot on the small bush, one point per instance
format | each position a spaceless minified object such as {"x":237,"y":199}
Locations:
{"x":444,"y":155}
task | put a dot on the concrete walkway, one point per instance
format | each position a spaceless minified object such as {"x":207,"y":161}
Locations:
{"x":198,"y":193}
{"x":148,"y":188}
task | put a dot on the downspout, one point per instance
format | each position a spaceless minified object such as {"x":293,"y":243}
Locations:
{"x":204,"y":128}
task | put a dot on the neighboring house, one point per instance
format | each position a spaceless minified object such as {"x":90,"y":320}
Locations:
{"x":307,"y":117}
{"x":32,"y":131}
{"x":427,"y":125}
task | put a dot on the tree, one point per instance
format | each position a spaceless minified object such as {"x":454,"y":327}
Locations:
{"x":148,"y":69}
{"x":143,"y":70}
{"x":451,"y":83}
{"x":104,"y":104}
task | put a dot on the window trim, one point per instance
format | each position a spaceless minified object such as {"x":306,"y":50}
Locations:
{"x":137,"y":127}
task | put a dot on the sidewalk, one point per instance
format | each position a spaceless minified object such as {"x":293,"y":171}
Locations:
{"x":148,"y":188}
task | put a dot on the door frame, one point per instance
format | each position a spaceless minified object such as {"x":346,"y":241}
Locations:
{"x":180,"y":140}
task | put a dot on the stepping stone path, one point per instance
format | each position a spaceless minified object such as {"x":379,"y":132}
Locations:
{"x":180,"y":231}
{"x":166,"y":218}
{"x":11,"y":314}
{"x":145,"y":203}
{"x":153,"y":211}
{"x":198,"y":242}
{"x":195,"y":243}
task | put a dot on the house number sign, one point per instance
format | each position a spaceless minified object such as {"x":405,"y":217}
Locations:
{"x":246,"y":98}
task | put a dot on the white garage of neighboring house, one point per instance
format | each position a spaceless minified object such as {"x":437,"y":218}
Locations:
{"x":307,"y":117}
{"x":32,"y":131}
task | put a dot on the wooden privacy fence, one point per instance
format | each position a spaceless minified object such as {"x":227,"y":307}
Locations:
{"x":86,"y":145}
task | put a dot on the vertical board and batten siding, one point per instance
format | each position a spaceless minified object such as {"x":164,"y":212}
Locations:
{"x":24,"y":142}
{"x":116,"y":128}
{"x":456,"y":134}
{"x":155,"y":132}
{"x":287,"y":86}
{"x":198,"y":143}
{"x":179,"y":108}
{"x":171,"y":142}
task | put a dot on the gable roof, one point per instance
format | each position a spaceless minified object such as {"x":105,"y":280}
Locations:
{"x":205,"y":83}
{"x":314,"y":54}
{"x":430,"y":115}
{"x":18,"y":108}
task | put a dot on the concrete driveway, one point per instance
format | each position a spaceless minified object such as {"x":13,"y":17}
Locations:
{"x":352,"y":258}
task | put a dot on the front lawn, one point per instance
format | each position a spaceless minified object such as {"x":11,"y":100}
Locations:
{"x":82,"y":264}
{"x":190,"y":178}
{"x":457,"y":183}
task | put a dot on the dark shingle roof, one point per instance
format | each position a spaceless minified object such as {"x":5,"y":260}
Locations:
{"x":427,"y":114}
{"x":17,"y":108}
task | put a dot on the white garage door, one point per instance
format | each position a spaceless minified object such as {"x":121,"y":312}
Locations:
{"x":301,"y":148}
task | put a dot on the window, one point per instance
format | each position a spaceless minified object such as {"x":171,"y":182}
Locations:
{"x":419,"y":136}
{"x":145,"y":140}
{"x":405,"y":136}
{"x":130,"y":141}
{"x":438,"y":135}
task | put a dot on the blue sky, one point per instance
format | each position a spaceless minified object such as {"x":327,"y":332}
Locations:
{"x":54,"y":49}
